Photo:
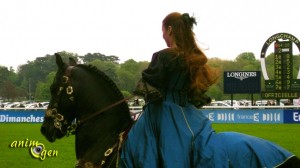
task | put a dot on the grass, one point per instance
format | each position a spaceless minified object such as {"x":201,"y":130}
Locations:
{"x":21,"y":157}
{"x":286,"y":135}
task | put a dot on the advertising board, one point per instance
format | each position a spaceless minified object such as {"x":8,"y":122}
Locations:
{"x":241,"y":82}
{"x":22,"y":116}
{"x":245,"y":116}
{"x":292,"y":116}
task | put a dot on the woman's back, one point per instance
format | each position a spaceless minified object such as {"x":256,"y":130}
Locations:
{"x":169,"y":74}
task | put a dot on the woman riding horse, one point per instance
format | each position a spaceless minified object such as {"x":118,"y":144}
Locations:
{"x":172,"y":132}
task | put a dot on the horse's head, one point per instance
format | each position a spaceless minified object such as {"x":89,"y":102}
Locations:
{"x":59,"y":114}
{"x":101,"y":111}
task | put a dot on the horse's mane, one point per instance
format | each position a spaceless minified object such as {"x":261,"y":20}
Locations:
{"x":94,"y":70}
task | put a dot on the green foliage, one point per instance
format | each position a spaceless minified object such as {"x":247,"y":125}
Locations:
{"x":109,"y":68}
{"x":33,"y":78}
{"x":43,"y":88}
{"x":129,"y":73}
{"x":126,"y":80}
{"x":8,"y":84}
{"x":246,"y":57}
{"x":97,"y":56}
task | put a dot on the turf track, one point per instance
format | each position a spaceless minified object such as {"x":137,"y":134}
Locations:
{"x":286,"y":135}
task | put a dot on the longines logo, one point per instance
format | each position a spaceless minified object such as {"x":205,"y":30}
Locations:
{"x":241,"y":75}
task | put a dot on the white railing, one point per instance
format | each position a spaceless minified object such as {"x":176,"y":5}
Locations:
{"x":18,"y":108}
{"x":139,"y":109}
{"x":252,"y":107}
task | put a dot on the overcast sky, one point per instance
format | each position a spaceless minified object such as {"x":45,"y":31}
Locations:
{"x":132,"y":28}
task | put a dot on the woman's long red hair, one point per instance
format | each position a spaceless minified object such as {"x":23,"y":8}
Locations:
{"x":202,"y":76}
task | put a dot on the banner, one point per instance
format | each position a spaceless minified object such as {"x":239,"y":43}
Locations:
{"x":245,"y":116}
{"x":259,"y":116}
{"x":22,"y":116}
{"x":292,"y":116}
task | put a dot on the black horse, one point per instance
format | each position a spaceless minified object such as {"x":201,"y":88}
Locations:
{"x":102,"y":116}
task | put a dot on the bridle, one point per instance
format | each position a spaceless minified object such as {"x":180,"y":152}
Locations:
{"x":59,"y":119}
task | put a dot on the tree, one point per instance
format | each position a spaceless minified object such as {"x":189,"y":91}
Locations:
{"x":127,"y":81}
{"x":36,"y":76}
{"x":247,"y":62}
{"x":36,"y":71}
{"x":3,"y":74}
{"x":9,"y":90}
{"x":9,"y":80}
{"x":43,"y":88}
{"x":246,"y":56}
{"x":129,"y":73}
{"x":97,"y":56}
{"x":109,"y":68}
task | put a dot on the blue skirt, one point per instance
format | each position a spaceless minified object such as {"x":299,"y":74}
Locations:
{"x":171,"y":136}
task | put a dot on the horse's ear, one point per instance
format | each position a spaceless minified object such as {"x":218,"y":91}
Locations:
{"x":72,"y":61}
{"x":59,"y":61}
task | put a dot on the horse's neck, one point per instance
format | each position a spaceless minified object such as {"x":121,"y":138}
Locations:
{"x":96,"y":135}
{"x":93,"y":98}
{"x":101,"y":132}
{"x":93,"y":140}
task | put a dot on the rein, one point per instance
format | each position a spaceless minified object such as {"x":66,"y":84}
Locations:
{"x":72,"y":128}
{"x":122,"y":136}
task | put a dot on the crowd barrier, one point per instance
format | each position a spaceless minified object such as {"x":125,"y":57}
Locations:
{"x":279,"y":116}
